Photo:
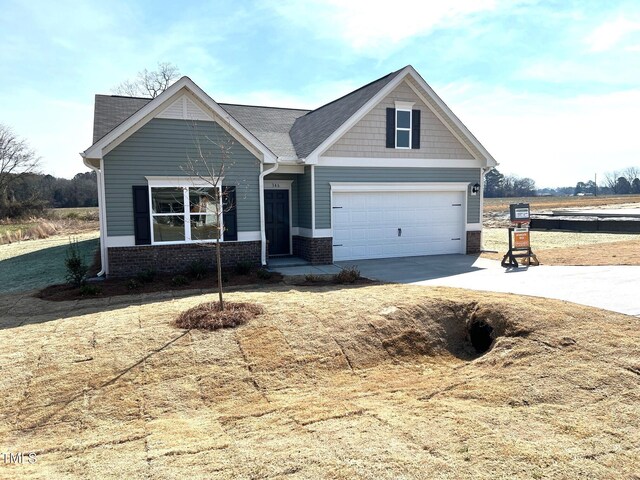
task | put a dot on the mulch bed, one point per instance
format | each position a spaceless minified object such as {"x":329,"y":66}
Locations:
{"x":209,"y":316}
{"x":161,"y":282}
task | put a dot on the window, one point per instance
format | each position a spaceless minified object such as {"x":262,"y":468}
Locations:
{"x":183,"y":214}
{"x":403,"y":128}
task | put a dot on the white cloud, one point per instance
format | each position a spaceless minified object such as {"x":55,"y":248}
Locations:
{"x":374,"y":25}
{"x":611,"y":33}
{"x":555,"y":141}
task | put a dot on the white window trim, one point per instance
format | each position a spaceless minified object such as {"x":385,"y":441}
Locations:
{"x":185,"y":183}
{"x":403,"y":129}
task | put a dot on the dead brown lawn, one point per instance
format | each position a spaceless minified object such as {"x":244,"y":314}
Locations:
{"x":570,"y":248}
{"x":545,"y":203}
{"x":367,"y":382}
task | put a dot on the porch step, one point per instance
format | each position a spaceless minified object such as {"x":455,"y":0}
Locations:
{"x":283,"y":262}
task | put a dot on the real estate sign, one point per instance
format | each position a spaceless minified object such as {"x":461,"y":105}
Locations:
{"x":521,"y":238}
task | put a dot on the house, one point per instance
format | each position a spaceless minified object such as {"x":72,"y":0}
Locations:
{"x":384,"y":171}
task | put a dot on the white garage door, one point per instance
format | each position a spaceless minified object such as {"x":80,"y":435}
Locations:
{"x":397,"y":224}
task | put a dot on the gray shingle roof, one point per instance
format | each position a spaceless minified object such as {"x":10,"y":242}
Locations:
{"x":270,"y":125}
{"x":286,"y":132}
{"x":111,"y":110}
{"x":310,"y":130}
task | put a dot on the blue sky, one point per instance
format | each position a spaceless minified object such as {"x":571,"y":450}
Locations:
{"x":551,"y":88}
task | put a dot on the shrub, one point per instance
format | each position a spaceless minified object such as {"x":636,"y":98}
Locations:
{"x":198,"y":269}
{"x":88,"y":290}
{"x":146,"y":276}
{"x":312,"y":278}
{"x":179,"y":281}
{"x":264,"y":274}
{"x":347,"y":275}
{"x":243,"y":268}
{"x":75,"y":265}
{"x":208,"y":316}
{"x":133,"y":284}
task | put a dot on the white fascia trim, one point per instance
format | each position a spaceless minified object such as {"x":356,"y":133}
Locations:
{"x":298,"y":169}
{"x":356,"y":117}
{"x":474,"y":227}
{"x":367,"y":162}
{"x":277,"y":184}
{"x":151,"y":109}
{"x":249,"y":236}
{"x":399,"y":186}
{"x":169,"y":181}
{"x":121,"y":241}
{"x":456,"y":121}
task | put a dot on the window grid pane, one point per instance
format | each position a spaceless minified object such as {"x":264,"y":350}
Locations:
{"x":402,"y":139}
{"x":168,"y":228}
{"x":404,"y":119}
{"x":167,"y":200}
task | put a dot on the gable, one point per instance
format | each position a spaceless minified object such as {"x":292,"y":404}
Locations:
{"x":367,"y":137}
{"x":183,"y":100}
{"x":184,"y":108}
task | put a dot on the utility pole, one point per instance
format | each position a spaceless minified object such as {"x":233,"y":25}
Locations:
{"x":595,"y":181}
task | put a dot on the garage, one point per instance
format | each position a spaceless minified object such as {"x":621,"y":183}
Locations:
{"x":385,"y":223}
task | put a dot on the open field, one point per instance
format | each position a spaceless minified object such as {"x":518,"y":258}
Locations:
{"x":547,"y":203}
{"x":56,"y":221}
{"x":373,"y":382}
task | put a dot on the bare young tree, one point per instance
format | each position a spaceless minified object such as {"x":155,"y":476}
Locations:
{"x":208,"y":166}
{"x":16,"y":159}
{"x":610,"y":180}
{"x":149,"y":83}
{"x":631,"y":173}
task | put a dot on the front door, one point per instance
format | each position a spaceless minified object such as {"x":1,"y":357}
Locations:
{"x":276,"y":213}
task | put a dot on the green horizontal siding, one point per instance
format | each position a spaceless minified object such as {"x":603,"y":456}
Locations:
{"x":161,"y":148}
{"x":325,"y":175}
{"x":304,"y":199}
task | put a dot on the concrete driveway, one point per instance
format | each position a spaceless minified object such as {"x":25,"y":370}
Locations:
{"x":610,"y":287}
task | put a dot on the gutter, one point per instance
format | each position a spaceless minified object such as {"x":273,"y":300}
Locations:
{"x":101,"y":216}
{"x":263,"y":235}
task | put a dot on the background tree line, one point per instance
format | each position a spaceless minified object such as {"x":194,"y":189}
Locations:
{"x":31,"y":193}
{"x":619,"y":182}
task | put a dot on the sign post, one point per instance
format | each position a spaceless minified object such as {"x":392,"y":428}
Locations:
{"x":519,"y":239}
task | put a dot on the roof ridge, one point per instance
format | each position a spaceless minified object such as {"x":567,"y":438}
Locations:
{"x":263,"y":106}
{"x":356,"y":90}
{"x":122,"y":96}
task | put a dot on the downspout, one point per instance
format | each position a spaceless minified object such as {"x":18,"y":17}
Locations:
{"x":263,"y":235}
{"x":101,"y":218}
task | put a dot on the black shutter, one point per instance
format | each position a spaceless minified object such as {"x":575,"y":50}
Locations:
{"x":141,"y":220}
{"x":415,"y":129}
{"x":391,"y":128}
{"x":229,"y":217}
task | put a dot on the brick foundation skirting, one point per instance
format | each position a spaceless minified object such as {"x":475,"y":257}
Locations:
{"x":128,"y":261}
{"x":473,"y":242}
{"x":318,"y":251}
